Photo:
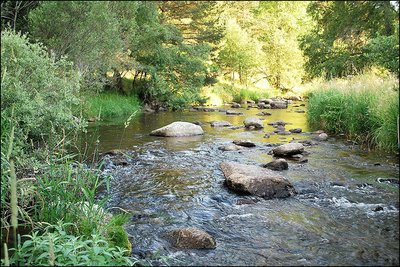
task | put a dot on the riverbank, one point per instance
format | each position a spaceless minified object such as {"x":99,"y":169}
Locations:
{"x":364,"y":108}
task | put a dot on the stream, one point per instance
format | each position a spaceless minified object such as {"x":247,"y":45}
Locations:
{"x":346,"y":211}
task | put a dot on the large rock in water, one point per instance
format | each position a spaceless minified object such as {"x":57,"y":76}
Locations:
{"x":256,"y":180}
{"x":256,"y":122}
{"x":177,"y":129}
{"x":191,"y":238}
{"x":288,"y":149}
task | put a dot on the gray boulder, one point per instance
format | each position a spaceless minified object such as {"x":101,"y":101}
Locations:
{"x":245,"y":143}
{"x":178,"y":129}
{"x":255,"y":180}
{"x":279,"y":104}
{"x":288,"y":149}
{"x":255,"y":122}
{"x":277,"y":165}
{"x":191,"y":238}
{"x":262,"y":105}
{"x":220,"y":124}
{"x":322,"y":137}
{"x":235,"y":105}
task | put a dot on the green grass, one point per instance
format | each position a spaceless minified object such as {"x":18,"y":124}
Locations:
{"x":364,"y":108}
{"x":225,"y":92}
{"x":109,"y":105}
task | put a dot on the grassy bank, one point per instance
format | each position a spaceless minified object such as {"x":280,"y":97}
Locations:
{"x":365,"y":108}
{"x":225,"y":92}
{"x":109,"y":105}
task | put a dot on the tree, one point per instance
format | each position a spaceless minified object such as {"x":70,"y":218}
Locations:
{"x":197,"y":20}
{"x":239,"y":52}
{"x":343,"y":29}
{"x":173,"y":71}
{"x":14,"y":14}
{"x":279,"y":24}
{"x":87,"y":32}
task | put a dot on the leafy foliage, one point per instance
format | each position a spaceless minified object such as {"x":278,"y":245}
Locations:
{"x":57,"y":247}
{"x":343,"y":41}
{"x":40,"y":90}
{"x":279,"y":25}
{"x":86,"y":32}
{"x":239,"y":52}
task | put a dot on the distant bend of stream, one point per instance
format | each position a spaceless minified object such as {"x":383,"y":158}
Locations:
{"x":346,"y":211}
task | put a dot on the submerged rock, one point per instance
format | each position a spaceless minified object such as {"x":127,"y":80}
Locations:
{"x":233,"y":112}
{"x":245,"y":201}
{"x":264,"y":113}
{"x":255,"y":122}
{"x":230,"y":147}
{"x":308,"y":142}
{"x":191,"y":238}
{"x":277,"y":165}
{"x":255,"y":180}
{"x":245,"y":143}
{"x":288,"y":149}
{"x":278,"y":122}
{"x":295,"y":130}
{"x":220,"y":124}
{"x":178,"y":129}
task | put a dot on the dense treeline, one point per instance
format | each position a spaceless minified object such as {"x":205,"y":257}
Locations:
{"x":65,"y":61}
{"x":173,"y":49}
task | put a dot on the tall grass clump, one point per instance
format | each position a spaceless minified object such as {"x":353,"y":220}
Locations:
{"x":109,"y":105}
{"x":365,"y":108}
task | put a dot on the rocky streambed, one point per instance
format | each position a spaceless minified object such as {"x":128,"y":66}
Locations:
{"x":331,"y":204}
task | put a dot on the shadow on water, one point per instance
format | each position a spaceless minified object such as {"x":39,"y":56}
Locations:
{"x":343,"y":213}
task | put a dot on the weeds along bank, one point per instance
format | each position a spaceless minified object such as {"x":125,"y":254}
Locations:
{"x":45,"y":193}
{"x":109,"y":105}
{"x":365,"y":108}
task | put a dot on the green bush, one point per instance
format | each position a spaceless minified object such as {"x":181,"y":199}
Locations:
{"x":57,"y":247}
{"x":42,"y":91}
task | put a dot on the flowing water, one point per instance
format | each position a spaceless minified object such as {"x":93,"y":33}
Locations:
{"x":344,"y":213}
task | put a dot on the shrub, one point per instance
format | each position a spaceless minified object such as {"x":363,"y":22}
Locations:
{"x":41,"y":90}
